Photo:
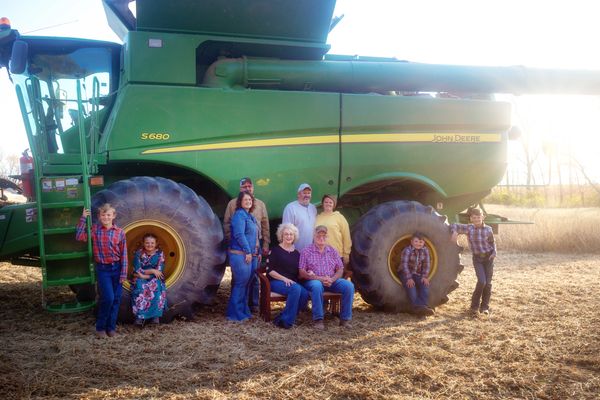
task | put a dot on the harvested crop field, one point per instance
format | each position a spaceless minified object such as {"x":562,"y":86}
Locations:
{"x":541,"y":341}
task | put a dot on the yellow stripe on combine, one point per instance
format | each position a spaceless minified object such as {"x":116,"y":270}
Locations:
{"x":334,"y":139}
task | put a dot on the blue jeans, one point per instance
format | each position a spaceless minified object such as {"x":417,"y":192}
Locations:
{"x":297,"y":297}
{"x":484,"y":269}
{"x":238,"y":309}
{"x":418,"y":294}
{"x":109,"y":289}
{"x":316,"y":289}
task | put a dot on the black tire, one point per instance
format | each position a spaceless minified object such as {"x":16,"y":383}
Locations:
{"x":189,"y":234}
{"x":84,"y":292}
{"x":379,"y":237}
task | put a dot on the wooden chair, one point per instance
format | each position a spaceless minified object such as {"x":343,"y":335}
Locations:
{"x":332,"y":300}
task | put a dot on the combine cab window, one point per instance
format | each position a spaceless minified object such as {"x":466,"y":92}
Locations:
{"x":50,"y":93}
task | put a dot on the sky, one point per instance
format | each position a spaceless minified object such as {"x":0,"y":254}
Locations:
{"x":532,"y":33}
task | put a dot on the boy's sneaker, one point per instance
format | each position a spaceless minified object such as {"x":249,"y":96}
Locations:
{"x":155,"y":321}
{"x":139,"y":322}
{"x":111,"y":333}
{"x":474,"y":312}
{"x":100,"y":334}
{"x":423,"y":311}
{"x":485,"y":311}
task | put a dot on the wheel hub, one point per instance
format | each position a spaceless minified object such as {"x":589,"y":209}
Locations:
{"x":169,"y":242}
{"x":395,"y":255}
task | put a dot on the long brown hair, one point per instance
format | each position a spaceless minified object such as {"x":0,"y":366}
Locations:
{"x":238,"y":202}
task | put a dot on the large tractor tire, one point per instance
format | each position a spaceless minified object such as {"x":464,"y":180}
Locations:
{"x":377,"y":242}
{"x":188,"y":232}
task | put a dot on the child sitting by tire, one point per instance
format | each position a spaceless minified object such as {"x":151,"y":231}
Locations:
{"x":415,"y":264}
{"x":149,"y":294}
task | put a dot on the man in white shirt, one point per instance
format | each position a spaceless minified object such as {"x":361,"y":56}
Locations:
{"x":303,"y":215}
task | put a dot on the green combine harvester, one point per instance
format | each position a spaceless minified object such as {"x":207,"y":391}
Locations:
{"x":202,"y":93}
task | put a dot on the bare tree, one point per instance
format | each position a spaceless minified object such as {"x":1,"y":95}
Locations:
{"x":587,"y":178}
{"x":9,"y":164}
{"x":12,"y":162}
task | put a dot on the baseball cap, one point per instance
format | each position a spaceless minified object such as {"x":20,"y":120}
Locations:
{"x":245,"y":180}
{"x":321,"y":228}
{"x":304,"y":186}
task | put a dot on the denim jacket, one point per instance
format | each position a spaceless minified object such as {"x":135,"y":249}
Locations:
{"x":244,"y":232}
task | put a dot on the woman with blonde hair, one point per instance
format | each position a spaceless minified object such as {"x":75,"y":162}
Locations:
{"x":338,"y":230}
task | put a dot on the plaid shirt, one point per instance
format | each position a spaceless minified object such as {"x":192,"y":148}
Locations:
{"x":415,"y":261}
{"x":109,"y":245}
{"x":322,"y":264}
{"x":481,"y":240}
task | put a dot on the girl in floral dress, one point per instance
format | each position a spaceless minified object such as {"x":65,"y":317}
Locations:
{"x":149,"y":295}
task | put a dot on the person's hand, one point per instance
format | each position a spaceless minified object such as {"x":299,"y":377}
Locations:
{"x":454,"y":236}
{"x":326,"y":281}
{"x":288,"y":282}
{"x":265,"y":251}
{"x":248,"y":258}
{"x":158,"y":274}
{"x":425,"y":281}
{"x":311,"y":273}
{"x":410,"y":283}
{"x":492,"y":257}
{"x":86,"y":213}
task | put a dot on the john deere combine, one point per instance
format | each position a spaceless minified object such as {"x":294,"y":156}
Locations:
{"x":202,"y":93}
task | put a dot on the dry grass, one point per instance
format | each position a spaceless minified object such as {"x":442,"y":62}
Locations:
{"x":541,"y":341}
{"x":555,"y":229}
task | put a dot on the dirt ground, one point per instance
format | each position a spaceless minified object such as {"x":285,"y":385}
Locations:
{"x":540,"y":342}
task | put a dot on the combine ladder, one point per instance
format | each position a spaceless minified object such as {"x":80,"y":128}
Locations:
{"x":62,"y":190}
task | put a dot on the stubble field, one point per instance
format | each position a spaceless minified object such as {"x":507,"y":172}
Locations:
{"x":540,"y":342}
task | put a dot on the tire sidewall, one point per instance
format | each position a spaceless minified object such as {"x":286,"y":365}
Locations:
{"x":199,"y":231}
{"x":395,"y":220}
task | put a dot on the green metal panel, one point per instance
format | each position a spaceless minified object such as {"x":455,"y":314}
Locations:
{"x":306,"y":20}
{"x":173,"y":62}
{"x":271,"y":134}
{"x":439,"y":142}
{"x":18,"y":229}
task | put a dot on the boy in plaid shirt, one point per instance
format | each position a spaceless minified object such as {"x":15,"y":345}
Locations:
{"x":415,"y":264}
{"x":110,"y":255}
{"x":483,"y":247}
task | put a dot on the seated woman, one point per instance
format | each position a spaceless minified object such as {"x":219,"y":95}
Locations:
{"x":149,"y":294}
{"x":282,"y":270}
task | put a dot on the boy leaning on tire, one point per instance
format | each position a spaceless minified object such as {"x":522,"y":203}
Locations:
{"x":483,"y":247}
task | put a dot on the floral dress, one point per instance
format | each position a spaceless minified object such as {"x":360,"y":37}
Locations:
{"x":149,"y":296}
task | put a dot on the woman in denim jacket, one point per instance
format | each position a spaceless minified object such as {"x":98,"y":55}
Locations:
{"x":243,"y":257}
